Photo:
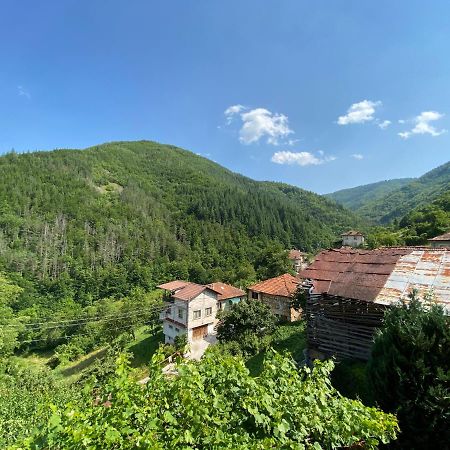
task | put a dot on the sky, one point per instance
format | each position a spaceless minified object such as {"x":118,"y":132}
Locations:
{"x":323,"y":95}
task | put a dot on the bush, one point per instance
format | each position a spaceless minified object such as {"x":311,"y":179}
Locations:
{"x":215,"y":403}
{"x":410,"y":372}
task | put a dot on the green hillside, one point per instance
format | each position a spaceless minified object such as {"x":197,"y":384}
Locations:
{"x":89,"y":224}
{"x":355,"y":198}
{"x":383,"y":202}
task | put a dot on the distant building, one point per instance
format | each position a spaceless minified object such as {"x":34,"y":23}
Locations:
{"x":297,"y":259}
{"x":352,"y":239}
{"x":440,"y":241}
{"x":277,"y":293}
{"x":350,"y":289}
{"x":192,"y":308}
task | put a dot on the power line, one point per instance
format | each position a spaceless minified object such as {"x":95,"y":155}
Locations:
{"x":28,"y":341}
{"x":81,"y":321}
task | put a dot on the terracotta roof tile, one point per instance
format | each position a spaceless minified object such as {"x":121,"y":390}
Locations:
{"x":442,"y":237}
{"x":174,"y":285}
{"x":295,"y":254}
{"x":189,"y":292}
{"x":352,"y":233}
{"x":226,"y":291}
{"x":284,"y":286}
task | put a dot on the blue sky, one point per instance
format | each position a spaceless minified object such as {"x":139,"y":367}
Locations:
{"x":314,"y":91}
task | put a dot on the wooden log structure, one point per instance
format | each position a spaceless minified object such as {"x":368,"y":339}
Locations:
{"x":342,"y":327}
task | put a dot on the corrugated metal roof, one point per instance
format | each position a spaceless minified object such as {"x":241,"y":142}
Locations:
{"x":384,"y":275}
{"x":428,"y":271}
{"x":283,"y":285}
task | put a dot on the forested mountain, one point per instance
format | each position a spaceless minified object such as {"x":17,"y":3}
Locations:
{"x":398,"y":202}
{"x":89,"y":224}
{"x":357,"y":197}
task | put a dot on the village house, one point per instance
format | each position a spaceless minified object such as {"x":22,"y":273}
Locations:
{"x":440,"y":241}
{"x":192,"y":308}
{"x":352,"y":239}
{"x":227,"y":295}
{"x":350,"y":289}
{"x":277,"y":293}
{"x":297,"y":259}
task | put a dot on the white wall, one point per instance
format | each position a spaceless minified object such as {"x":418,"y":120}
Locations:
{"x":206,"y":299}
{"x":170,"y":331}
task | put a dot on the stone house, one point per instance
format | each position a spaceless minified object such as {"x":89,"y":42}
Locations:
{"x":277,"y":293}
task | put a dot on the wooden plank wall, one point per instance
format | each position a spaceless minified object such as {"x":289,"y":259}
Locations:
{"x":342,"y":327}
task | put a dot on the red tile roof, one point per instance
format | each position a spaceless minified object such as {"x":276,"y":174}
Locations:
{"x":189,"y":292}
{"x":226,"y":291}
{"x":295,"y":254}
{"x":352,"y":233}
{"x":174,"y":285}
{"x":284,"y":286}
{"x":442,"y":237}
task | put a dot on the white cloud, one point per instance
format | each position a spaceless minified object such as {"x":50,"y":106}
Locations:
{"x":231,"y":111}
{"x":300,"y":158}
{"x":357,"y":156}
{"x":260,"y":123}
{"x":359,"y":112}
{"x":423,"y":125}
{"x":401,"y":121}
{"x":22,"y":92}
{"x":383,"y":125}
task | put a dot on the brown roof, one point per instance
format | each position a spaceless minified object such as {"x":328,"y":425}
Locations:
{"x":191,"y":291}
{"x":174,"y":285}
{"x":295,"y":254}
{"x":384,"y":275}
{"x":442,"y":237}
{"x":284,"y":286}
{"x":226,"y":291}
{"x":352,"y":233}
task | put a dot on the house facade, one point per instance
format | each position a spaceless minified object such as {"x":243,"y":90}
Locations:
{"x":192,"y":308}
{"x":440,"y":241}
{"x":352,"y":239}
{"x":297,"y":259}
{"x":349,"y":290}
{"x":277,"y":293}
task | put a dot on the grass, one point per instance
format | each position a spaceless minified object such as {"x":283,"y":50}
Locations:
{"x":145,"y":345}
{"x":288,"y":337}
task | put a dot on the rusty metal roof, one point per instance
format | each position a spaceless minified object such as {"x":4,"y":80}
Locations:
{"x":283,"y":285}
{"x":384,"y":275}
{"x":442,"y":237}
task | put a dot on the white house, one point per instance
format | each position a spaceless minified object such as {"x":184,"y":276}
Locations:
{"x":192,"y":308}
{"x":297,"y":259}
{"x":352,"y":239}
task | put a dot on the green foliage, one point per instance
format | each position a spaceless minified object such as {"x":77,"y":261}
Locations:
{"x":93,"y":224}
{"x":386,"y":201}
{"x":272,"y":261}
{"x":357,"y":197}
{"x":410,"y":372}
{"x":427,"y":221}
{"x":216,"y":404}
{"x":25,"y":394}
{"x":246,"y":322}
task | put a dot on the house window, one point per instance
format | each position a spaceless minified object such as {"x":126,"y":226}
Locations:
{"x":170,"y":327}
{"x":180,"y":313}
{"x":208,"y":311}
{"x":255,"y":295}
{"x":197,"y":314}
{"x":177,"y":330}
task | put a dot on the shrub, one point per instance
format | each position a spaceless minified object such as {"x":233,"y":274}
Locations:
{"x":410,"y":372}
